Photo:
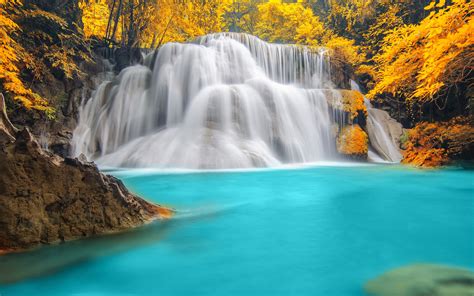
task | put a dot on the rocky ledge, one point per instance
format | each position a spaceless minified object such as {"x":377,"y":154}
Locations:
{"x":47,"y":199}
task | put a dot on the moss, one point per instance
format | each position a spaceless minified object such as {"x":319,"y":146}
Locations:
{"x":353,"y":142}
{"x":404,"y":138}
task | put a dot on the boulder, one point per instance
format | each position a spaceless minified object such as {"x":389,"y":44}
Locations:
{"x":352,"y":142}
{"x":384,"y":134}
{"x":423,"y":280}
{"x":47,"y":199}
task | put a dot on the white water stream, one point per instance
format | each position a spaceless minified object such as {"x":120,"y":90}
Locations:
{"x":224,"y":101}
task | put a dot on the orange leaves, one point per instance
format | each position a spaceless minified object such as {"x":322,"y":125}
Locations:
{"x":436,"y":144}
{"x":179,"y":21}
{"x":352,"y":102}
{"x":353,"y":141}
{"x":349,"y":14}
{"x":433,"y":4}
{"x":10,"y":52}
{"x":287,"y":23}
{"x":95,"y":16}
{"x":283,"y":22}
{"x":419,"y":61}
{"x":344,"y":50}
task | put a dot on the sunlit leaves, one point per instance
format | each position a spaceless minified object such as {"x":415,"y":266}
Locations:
{"x":434,"y":144}
{"x":288,"y":22}
{"x":10,"y":54}
{"x":419,"y":61}
{"x":95,"y":16}
{"x":353,"y":141}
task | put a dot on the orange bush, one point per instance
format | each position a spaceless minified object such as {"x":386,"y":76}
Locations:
{"x":353,"y":102}
{"x":353,"y":141}
{"x":436,"y":144}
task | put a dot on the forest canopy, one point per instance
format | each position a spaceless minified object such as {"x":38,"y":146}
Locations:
{"x":414,"y":55}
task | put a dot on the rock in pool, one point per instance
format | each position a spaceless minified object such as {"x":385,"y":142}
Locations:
{"x":423,"y":280}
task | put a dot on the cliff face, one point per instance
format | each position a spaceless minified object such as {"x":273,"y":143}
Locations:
{"x":56,"y":63}
{"x":47,"y":199}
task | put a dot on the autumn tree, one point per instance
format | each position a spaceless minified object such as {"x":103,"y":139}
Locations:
{"x":95,"y":16}
{"x":423,"y":62}
{"x":282,"y":22}
{"x":242,"y":16}
{"x":38,"y":47}
{"x":11,"y":54}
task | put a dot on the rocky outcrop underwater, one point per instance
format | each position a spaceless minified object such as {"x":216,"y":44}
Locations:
{"x":422,"y":280}
{"x":47,"y":199}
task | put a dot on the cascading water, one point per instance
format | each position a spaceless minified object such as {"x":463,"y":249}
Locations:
{"x":226,"y":100}
{"x":383,"y":132}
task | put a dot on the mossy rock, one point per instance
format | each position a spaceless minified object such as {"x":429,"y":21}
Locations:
{"x":353,"y":142}
{"x":423,"y":280}
{"x":350,"y":102}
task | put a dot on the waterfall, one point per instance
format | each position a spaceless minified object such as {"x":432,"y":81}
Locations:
{"x":225,"y":100}
{"x":384,"y":133}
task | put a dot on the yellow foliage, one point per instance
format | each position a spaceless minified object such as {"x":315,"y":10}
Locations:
{"x":242,"y":16}
{"x":351,"y":102}
{"x":176,"y":21}
{"x":419,"y":61}
{"x":347,"y":14}
{"x":196,"y":18}
{"x":353,"y":141}
{"x":54,"y":46}
{"x":282,"y":22}
{"x":383,"y":23}
{"x":435,"y":144}
{"x":344,"y":50}
{"x":10,"y":52}
{"x":288,"y":22}
{"x":95,"y":16}
{"x":273,"y":20}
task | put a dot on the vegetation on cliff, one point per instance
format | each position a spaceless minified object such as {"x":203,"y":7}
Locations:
{"x":353,"y":142}
{"x":435,"y":144}
{"x":424,"y":62}
{"x":11,"y":54}
{"x":39,"y":48}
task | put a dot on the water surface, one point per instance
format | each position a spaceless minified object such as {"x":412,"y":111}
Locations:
{"x":307,"y":231}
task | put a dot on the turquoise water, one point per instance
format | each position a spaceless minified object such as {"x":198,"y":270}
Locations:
{"x":308,"y":231}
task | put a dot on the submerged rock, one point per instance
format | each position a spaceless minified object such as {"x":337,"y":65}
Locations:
{"x":423,"y":280}
{"x":46,"y":199}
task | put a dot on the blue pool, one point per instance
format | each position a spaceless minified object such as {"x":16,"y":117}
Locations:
{"x":307,"y":231}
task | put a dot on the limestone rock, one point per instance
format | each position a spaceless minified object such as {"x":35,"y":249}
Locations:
{"x":423,"y":280}
{"x":384,"y":134}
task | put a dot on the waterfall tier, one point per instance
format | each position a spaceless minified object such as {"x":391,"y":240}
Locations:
{"x":223,"y":101}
